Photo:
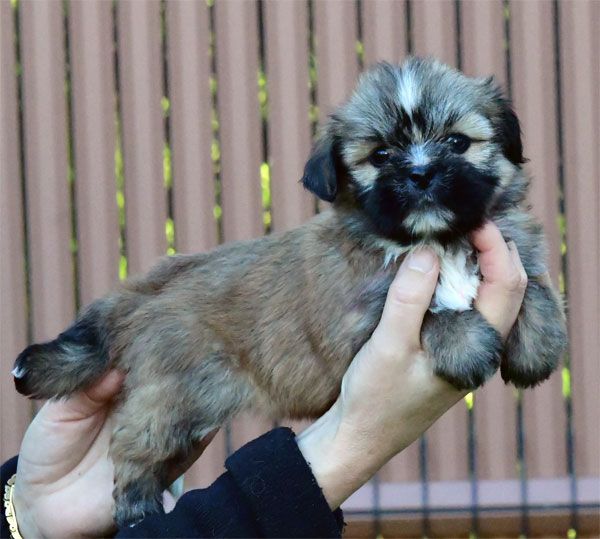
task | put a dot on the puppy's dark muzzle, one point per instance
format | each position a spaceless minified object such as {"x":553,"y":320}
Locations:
{"x":422,"y":177}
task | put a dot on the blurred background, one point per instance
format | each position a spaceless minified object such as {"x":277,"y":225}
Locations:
{"x":135,"y":128}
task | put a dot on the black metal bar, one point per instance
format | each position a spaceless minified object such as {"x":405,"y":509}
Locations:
{"x":23,"y":169}
{"x":264,"y":122}
{"x":71,"y":160}
{"x":569,"y":433}
{"x":312,"y":77}
{"x":457,"y":12}
{"x":408,"y":27}
{"x":216,"y":134}
{"x":164,"y":34}
{"x":119,"y":174}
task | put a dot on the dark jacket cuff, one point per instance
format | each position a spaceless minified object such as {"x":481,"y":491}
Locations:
{"x":279,"y":486}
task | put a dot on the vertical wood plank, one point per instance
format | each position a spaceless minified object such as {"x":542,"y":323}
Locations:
{"x":482,"y":39}
{"x":434,"y":29}
{"x":579,"y":46}
{"x":534,"y":97}
{"x":48,"y":212}
{"x":15,"y":410}
{"x":384,"y":31}
{"x":494,"y":406}
{"x":237,"y":97}
{"x":191,"y":133}
{"x":93,"y":86}
{"x":140,"y":75}
{"x":286,"y":43}
{"x":337,"y":62}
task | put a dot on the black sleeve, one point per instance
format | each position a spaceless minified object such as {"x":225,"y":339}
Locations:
{"x":267,"y":491}
{"x":6,"y":472}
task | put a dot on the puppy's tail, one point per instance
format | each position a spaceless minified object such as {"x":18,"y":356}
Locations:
{"x":75,"y":359}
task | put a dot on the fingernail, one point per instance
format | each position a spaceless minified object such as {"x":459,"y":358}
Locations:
{"x":421,"y":260}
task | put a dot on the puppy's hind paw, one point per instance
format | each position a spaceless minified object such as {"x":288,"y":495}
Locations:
{"x":538,"y":339}
{"x":130,"y":508}
{"x":523,"y":377}
{"x":530,"y":359}
{"x":465,"y":348}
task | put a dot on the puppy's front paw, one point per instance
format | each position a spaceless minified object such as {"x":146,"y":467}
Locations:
{"x":465,"y":348}
{"x":538,"y":339}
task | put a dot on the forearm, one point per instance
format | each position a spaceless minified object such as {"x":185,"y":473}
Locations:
{"x":339,"y":463}
{"x":345,"y":449}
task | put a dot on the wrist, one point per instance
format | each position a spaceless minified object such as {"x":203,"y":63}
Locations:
{"x":341,"y":459}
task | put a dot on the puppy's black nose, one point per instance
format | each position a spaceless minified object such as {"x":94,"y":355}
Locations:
{"x":421,"y":176}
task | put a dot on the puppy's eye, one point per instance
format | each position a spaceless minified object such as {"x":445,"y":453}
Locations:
{"x":379,"y":157}
{"x":458,"y":143}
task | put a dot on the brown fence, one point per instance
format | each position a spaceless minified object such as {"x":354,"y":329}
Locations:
{"x":135,"y":128}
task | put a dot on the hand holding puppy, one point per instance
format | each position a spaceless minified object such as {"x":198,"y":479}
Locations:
{"x":374,"y":419}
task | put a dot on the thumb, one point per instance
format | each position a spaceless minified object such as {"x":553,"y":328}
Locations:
{"x":407,"y":302}
{"x":88,"y":402}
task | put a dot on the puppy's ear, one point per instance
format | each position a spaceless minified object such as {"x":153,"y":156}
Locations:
{"x":510,"y":135}
{"x":508,"y":129}
{"x":320,"y":172}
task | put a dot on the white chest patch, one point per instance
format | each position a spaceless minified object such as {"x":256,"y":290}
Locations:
{"x":459,"y":276}
{"x":457,"y":284}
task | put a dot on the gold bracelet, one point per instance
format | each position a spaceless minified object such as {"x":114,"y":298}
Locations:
{"x":9,"y":508}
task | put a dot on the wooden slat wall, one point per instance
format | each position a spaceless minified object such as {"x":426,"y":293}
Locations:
{"x":240,"y":127}
{"x":86,"y":217}
{"x":286,"y":35}
{"x":434,"y":29}
{"x":579,"y":46}
{"x":384,"y":31}
{"x":15,"y":411}
{"x":48,"y":198}
{"x":140,"y":86}
{"x":337,"y":61}
{"x":191,"y":134}
{"x":94,"y":105}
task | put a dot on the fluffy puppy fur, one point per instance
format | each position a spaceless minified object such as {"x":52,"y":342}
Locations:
{"x":420,"y":154}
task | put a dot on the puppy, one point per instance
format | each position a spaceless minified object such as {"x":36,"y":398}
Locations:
{"x":420,"y":154}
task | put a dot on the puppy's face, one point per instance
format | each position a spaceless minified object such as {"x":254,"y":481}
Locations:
{"x":421,"y":150}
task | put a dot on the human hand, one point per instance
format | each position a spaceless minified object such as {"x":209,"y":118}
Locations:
{"x":390,"y":394}
{"x":65,"y":477}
